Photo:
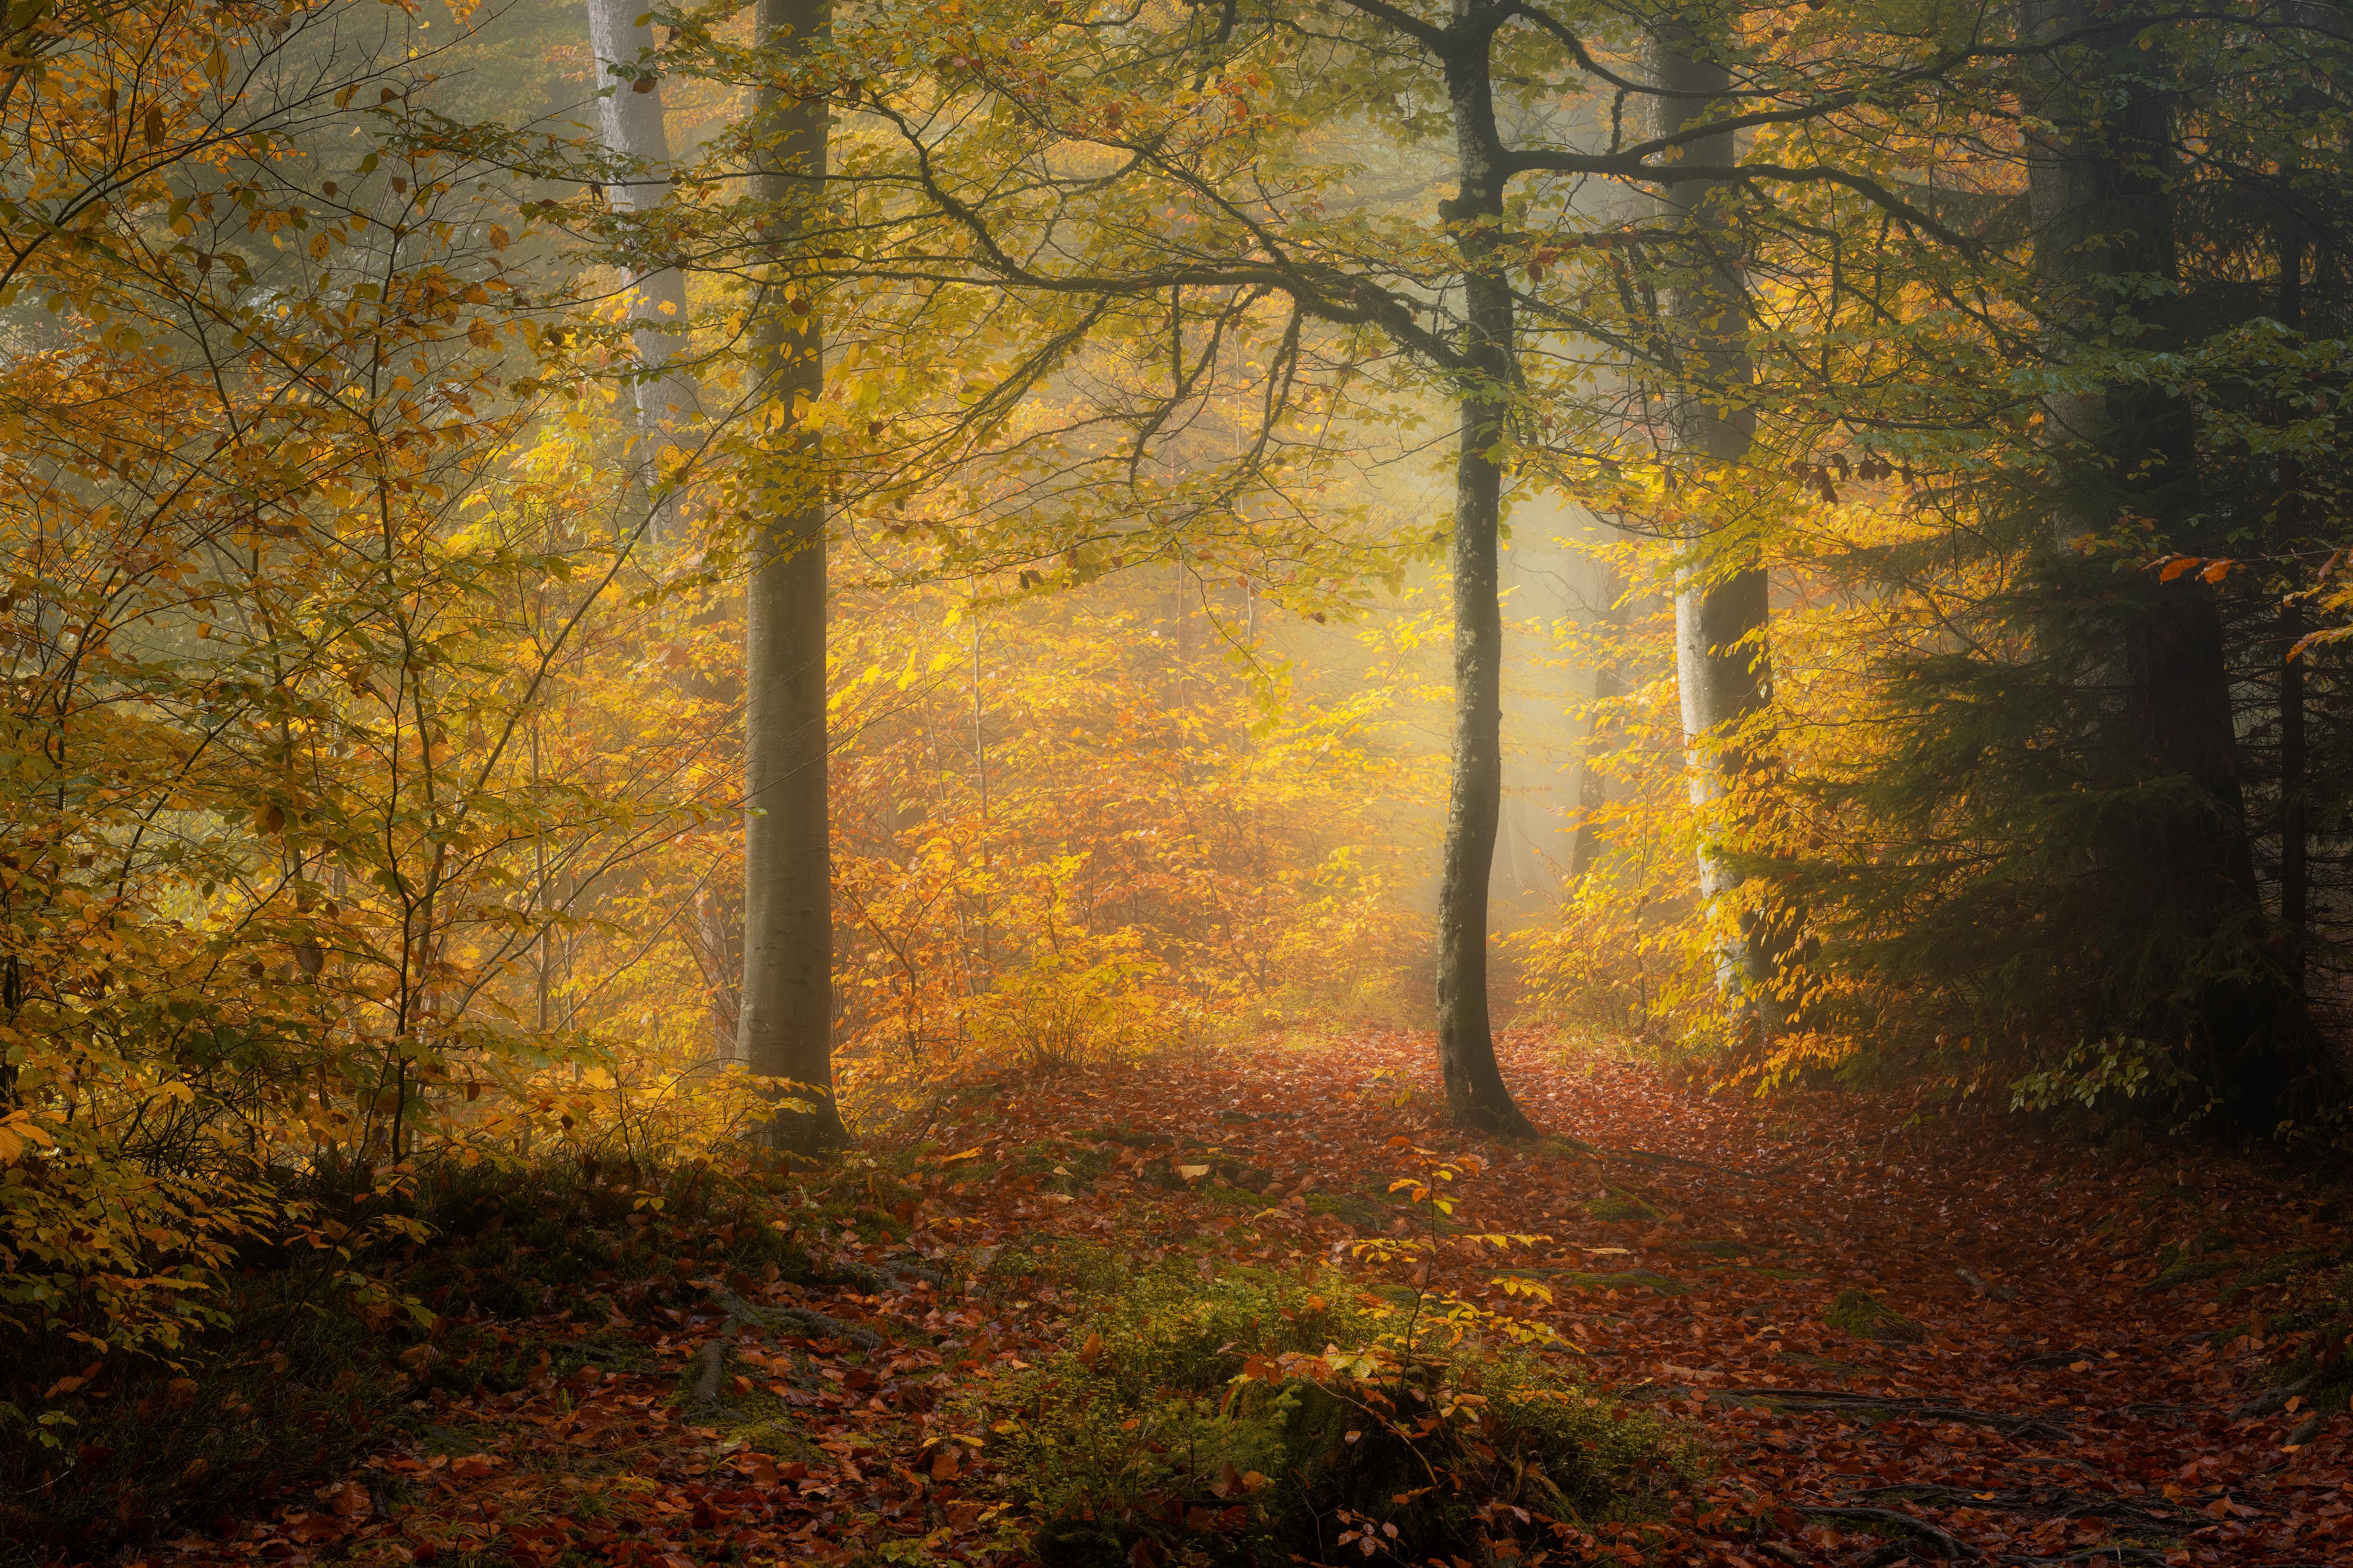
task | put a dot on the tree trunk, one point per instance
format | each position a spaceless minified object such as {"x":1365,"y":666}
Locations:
{"x":1722,"y":669}
{"x":786,"y":1017}
{"x":2101,"y":206}
{"x":1476,"y":1096}
{"x":631,"y":122}
{"x":1592,"y":789}
{"x":2295,"y":875}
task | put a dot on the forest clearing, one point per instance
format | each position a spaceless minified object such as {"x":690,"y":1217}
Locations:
{"x":1175,"y":783}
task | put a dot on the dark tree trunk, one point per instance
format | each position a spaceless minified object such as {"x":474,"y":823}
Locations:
{"x":1476,"y":1095}
{"x":786,"y":1018}
{"x":2296,"y":844}
{"x":2101,"y":204}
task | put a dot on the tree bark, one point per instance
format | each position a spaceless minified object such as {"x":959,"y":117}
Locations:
{"x":2101,"y":209}
{"x":1723,"y":667}
{"x":2295,"y":875}
{"x":631,"y":123}
{"x":1592,"y":789}
{"x":1476,"y":1096}
{"x":786,"y":1018}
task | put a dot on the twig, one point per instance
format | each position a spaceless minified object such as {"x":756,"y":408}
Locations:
{"x":1949,"y":1545}
{"x":2059,"y":1504}
{"x":813,"y":1324}
{"x":1919,"y":1409}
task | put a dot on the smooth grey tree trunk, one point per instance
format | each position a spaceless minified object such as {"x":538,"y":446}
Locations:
{"x":787,"y":1020}
{"x":1723,"y":668}
{"x":1476,"y":1095}
{"x":630,"y":122}
{"x":630,"y":119}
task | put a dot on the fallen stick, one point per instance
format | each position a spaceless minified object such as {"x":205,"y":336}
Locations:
{"x":1919,"y":1409}
{"x":1950,"y":1546}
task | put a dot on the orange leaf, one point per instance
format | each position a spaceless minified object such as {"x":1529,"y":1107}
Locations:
{"x":2217,"y":572}
{"x":2178,"y":566}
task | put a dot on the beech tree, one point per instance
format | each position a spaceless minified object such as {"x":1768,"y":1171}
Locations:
{"x":787,"y":1020}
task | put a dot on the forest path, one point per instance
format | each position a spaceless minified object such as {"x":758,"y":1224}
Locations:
{"x":2043,"y":1363}
{"x":2036,"y":1350}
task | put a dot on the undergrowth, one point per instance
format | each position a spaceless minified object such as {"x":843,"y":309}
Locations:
{"x":1257,"y":1416}
{"x":326,"y":1346}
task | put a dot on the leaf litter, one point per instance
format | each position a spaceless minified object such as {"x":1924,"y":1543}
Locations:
{"x":2064,"y":1389}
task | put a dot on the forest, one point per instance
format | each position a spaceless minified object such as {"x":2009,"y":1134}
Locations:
{"x":1175,"y":783}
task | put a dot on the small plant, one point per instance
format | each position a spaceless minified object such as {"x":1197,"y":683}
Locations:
{"x":1255,"y":1415}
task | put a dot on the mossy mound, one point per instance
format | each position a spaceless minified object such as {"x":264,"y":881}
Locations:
{"x":1857,"y":1312}
{"x":1218,"y":1421}
{"x":1619,"y":1206}
{"x":1039,"y":1264}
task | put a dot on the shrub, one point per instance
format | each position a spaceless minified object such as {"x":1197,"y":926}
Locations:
{"x":1223,"y":1417}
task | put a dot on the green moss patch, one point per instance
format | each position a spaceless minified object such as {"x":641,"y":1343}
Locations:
{"x":1215,"y":1421}
{"x":2279,"y":1270}
{"x":1028,"y":1266}
{"x":1593,"y":1279}
{"x":1619,"y":1206}
{"x":2189,"y":1271}
{"x":1858,"y":1313}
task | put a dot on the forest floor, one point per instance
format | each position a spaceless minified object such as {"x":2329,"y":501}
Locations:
{"x":2056,"y":1354}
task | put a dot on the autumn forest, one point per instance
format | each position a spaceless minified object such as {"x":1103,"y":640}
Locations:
{"x":1175,"y":783}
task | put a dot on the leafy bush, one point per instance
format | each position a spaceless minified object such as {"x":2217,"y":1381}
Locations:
{"x":1224,"y":1417}
{"x":299,"y":1372}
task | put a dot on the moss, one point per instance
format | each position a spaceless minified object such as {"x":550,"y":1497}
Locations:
{"x":2187,"y":1271}
{"x":1619,"y":1206}
{"x":1856,"y":1312}
{"x":1066,"y":1263}
{"x":1591,"y":1280}
{"x":1631,"y":1280}
{"x":2277,"y":1271}
{"x":1358,"y":1210}
{"x":1180,"y":1421}
{"x":2318,"y":1324}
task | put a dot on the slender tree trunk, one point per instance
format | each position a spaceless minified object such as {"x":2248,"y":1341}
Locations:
{"x":631,"y":117}
{"x":2295,"y":877}
{"x":786,"y":1017}
{"x":631,"y":122}
{"x":1723,"y":667}
{"x":1592,"y":788}
{"x":1476,"y":1095}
